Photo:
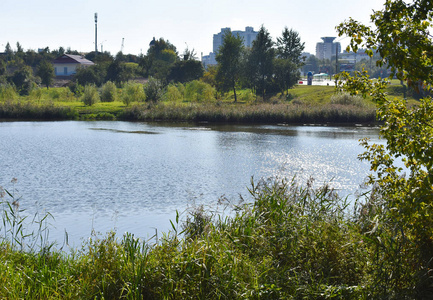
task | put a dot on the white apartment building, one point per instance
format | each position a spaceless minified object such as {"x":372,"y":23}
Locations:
{"x":248,"y":36}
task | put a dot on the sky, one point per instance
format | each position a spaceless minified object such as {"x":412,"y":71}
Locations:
{"x":186,"y":23}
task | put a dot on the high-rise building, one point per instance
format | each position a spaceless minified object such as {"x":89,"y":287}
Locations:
{"x":327,"y":48}
{"x":248,"y":36}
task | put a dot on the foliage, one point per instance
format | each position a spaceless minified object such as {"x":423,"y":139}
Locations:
{"x":347,"y":99}
{"x":133,"y":92}
{"x":118,"y":72}
{"x":290,"y":47}
{"x":161,"y":55}
{"x":404,"y":207}
{"x":153,"y":90}
{"x":87,"y":75}
{"x":90,"y":95}
{"x":288,"y":61}
{"x":46,"y":72}
{"x":260,"y":62}
{"x":185,"y":71}
{"x":8,"y":92}
{"x":209,"y":75}
{"x":199,"y":91}
{"x":108,"y":92}
{"x":173,"y":93}
{"x":229,"y":58}
{"x":283,"y":242}
{"x":23,"y":80}
{"x":286,"y":74}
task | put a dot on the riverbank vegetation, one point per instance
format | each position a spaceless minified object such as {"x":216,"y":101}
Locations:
{"x":193,"y":101}
{"x":286,"y":241}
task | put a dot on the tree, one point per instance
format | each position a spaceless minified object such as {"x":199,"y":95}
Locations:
{"x":286,"y":74}
{"x":185,"y":71}
{"x":117,"y":72}
{"x":229,"y":58}
{"x":45,"y":71}
{"x":23,"y":80}
{"x":289,"y":61}
{"x":403,"y":205}
{"x":261,"y":60}
{"x":90,"y":95}
{"x":153,"y":90}
{"x":9,"y":53}
{"x":161,"y":55}
{"x":289,"y":46}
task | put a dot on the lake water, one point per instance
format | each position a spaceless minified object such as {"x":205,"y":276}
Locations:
{"x":132,"y":177}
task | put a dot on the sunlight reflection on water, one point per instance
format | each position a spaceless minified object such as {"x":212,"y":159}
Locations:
{"x":134,"y":176}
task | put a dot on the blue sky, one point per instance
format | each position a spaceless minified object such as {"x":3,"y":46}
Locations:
{"x":38,"y":24}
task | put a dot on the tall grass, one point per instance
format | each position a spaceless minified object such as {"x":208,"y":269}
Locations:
{"x":29,"y":110}
{"x":284,"y":242}
{"x":255,"y":113}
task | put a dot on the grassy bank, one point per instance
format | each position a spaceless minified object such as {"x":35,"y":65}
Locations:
{"x":288,"y":243}
{"x":303,"y":104}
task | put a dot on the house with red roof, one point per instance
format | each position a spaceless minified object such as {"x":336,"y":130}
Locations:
{"x":67,"y":64}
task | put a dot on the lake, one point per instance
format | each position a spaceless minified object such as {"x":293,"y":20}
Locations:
{"x":132,"y":177}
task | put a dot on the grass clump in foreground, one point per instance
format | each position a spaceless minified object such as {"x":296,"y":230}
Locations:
{"x":290,"y":242}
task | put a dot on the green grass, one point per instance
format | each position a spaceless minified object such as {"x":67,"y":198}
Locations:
{"x":304,"y":104}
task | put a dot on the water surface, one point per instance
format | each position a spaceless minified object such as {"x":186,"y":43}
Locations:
{"x":133,"y":177}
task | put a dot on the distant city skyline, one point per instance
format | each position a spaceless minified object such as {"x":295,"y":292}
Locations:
{"x":189,"y":23}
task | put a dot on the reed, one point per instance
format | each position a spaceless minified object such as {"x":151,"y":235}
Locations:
{"x":29,"y":110}
{"x":284,"y":241}
{"x":255,"y":113}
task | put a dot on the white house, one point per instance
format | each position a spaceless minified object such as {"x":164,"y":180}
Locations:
{"x":67,"y":64}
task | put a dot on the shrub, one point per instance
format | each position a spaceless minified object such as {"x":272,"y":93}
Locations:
{"x":153,"y":90}
{"x":108,"y":92}
{"x":199,"y":91}
{"x":347,"y":99}
{"x":133,"y":92}
{"x":90,"y":95}
{"x":8,"y":92}
{"x":173,"y":94}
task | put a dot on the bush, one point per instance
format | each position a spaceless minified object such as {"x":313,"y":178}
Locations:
{"x":153,"y":90}
{"x":173,"y":94}
{"x":347,"y":99}
{"x":108,"y":92}
{"x":90,"y":95}
{"x":8,"y":92}
{"x":133,"y":92}
{"x":199,"y":91}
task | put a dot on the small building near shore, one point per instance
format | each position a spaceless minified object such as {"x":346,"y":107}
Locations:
{"x":67,"y":64}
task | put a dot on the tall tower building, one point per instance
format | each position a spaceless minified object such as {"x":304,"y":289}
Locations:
{"x":327,"y":48}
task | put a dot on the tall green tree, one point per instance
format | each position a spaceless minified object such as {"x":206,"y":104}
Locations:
{"x":290,"y":47}
{"x":289,"y":60}
{"x":403,"y":204}
{"x":260,"y":61}
{"x":161,"y":55}
{"x":185,"y":71}
{"x":9,"y":52}
{"x":286,"y":74}
{"x":229,"y":58}
{"x":23,"y":80}
{"x":45,"y":71}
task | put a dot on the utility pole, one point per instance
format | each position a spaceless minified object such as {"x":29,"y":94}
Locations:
{"x":336,"y":60}
{"x":96,"y":33}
